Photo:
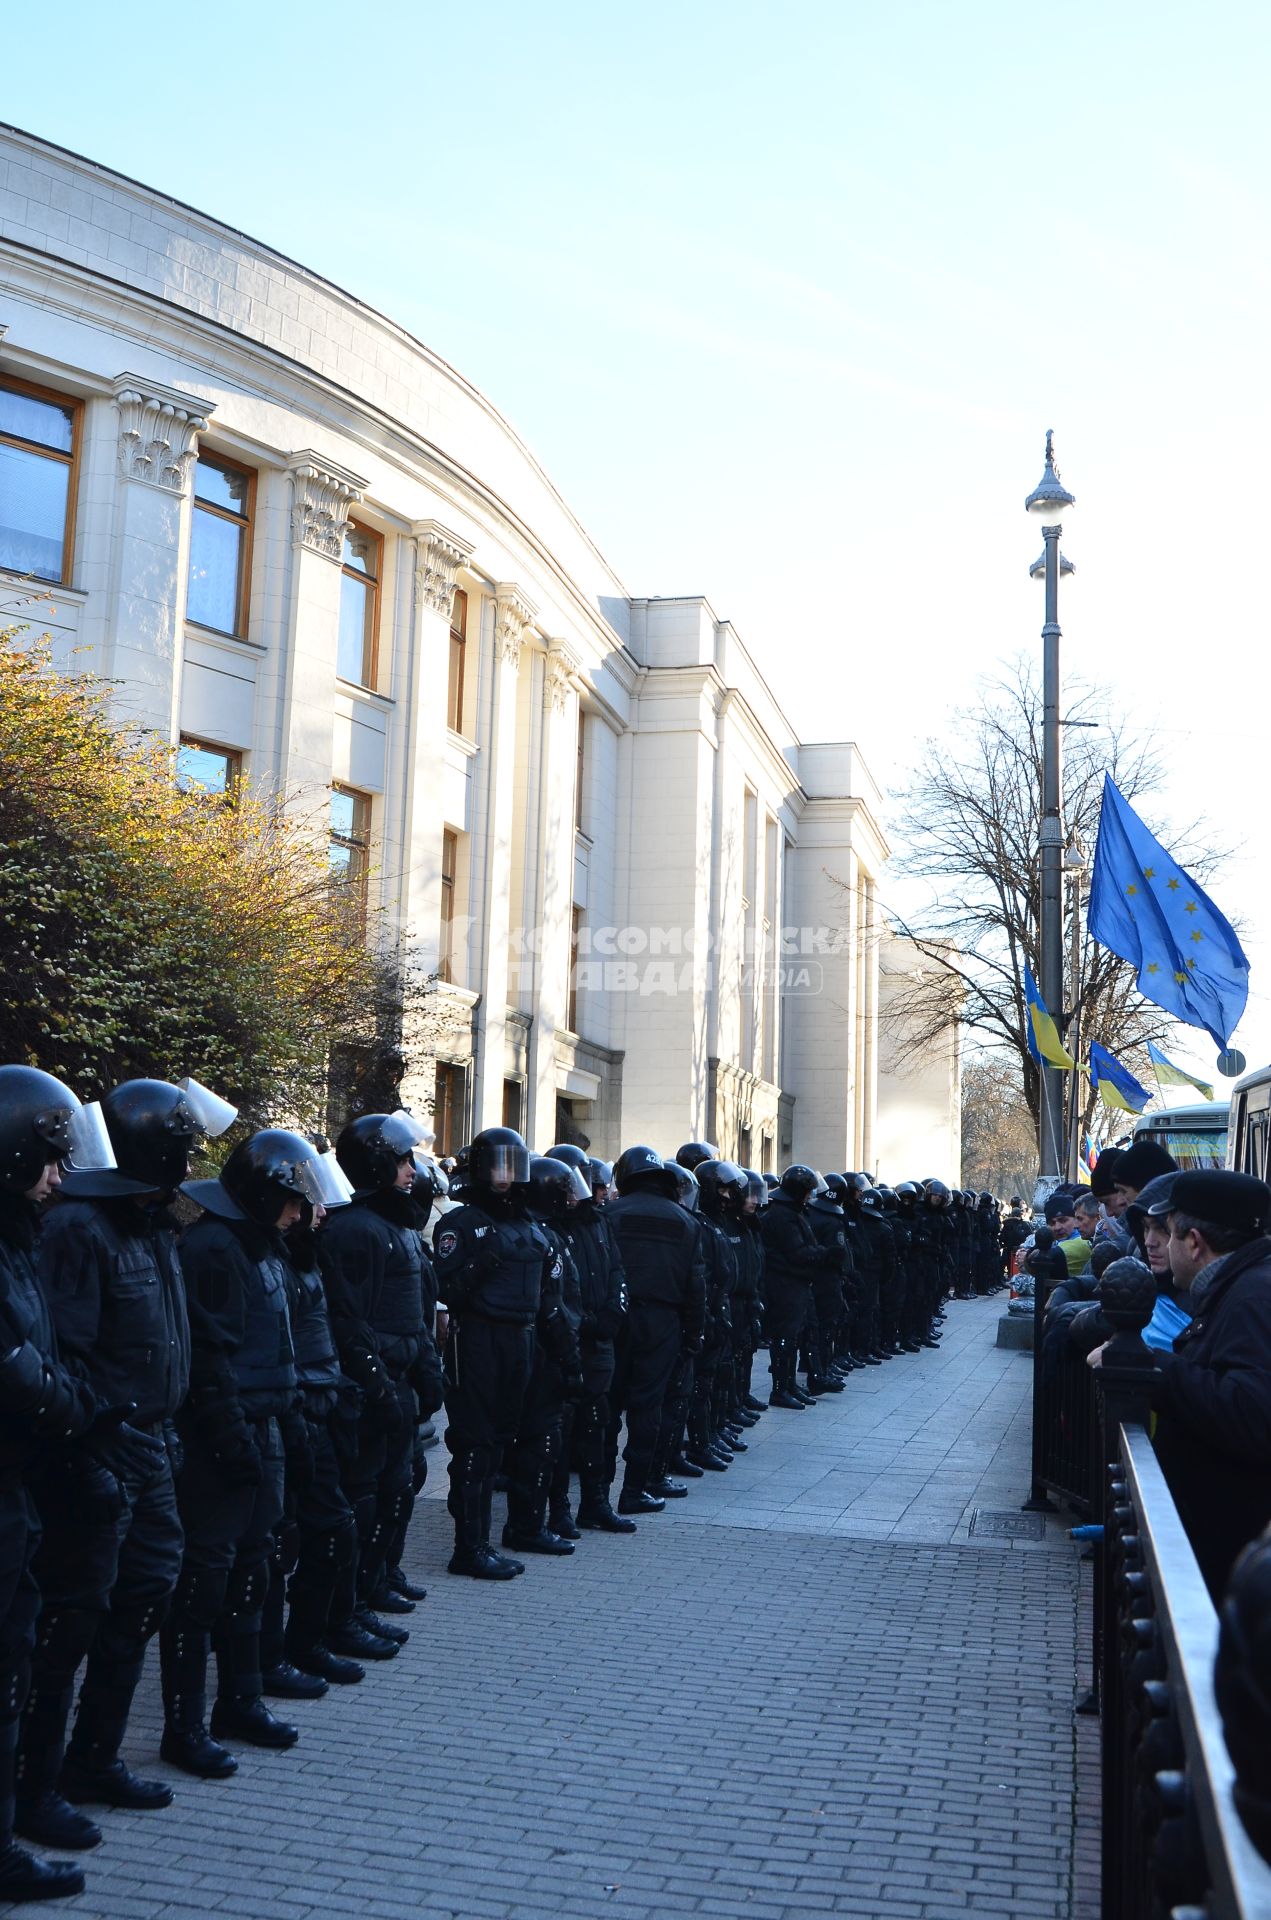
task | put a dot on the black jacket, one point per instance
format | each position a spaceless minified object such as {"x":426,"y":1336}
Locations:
{"x":791,"y":1249}
{"x":603,"y":1287}
{"x":1213,"y":1401}
{"x":661,"y":1251}
{"x":25,"y":1321}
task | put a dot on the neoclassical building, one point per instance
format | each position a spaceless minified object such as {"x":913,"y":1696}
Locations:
{"x":316,"y":557}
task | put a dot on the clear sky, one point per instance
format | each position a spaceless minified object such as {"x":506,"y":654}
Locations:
{"x":784,"y":298}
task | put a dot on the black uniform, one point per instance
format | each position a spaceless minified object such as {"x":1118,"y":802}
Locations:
{"x":748,"y":1328}
{"x":792,"y":1256}
{"x":661,"y":1251}
{"x":836,"y":1292}
{"x":603,"y":1301}
{"x":372,"y":1264}
{"x":230,"y":1489}
{"x":493,"y":1268}
{"x":112,"y":1543}
{"x":555,"y":1381}
{"x":40,"y":1405}
{"x":720,"y":1257}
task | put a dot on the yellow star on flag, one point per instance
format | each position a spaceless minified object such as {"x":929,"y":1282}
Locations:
{"x":1190,"y":907}
{"x":1131,"y":888}
{"x":1153,"y":966}
{"x":1172,"y":885}
{"x":1198,"y":935}
{"x":1180,"y":977}
{"x":1149,"y":873}
{"x":1191,"y":963}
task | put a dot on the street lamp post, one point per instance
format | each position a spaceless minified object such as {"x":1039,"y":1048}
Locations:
{"x":1047,"y":504}
{"x":1075,"y":874}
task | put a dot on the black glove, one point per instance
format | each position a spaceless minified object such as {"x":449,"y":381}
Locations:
{"x":127,"y":1452}
{"x":426,"y":1378}
{"x":176,"y":1447}
{"x":37,"y":1389}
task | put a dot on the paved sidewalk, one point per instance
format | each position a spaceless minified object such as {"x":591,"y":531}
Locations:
{"x":804,"y":1690}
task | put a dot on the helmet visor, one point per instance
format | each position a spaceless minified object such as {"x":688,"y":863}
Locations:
{"x":335,"y":1189}
{"x":579,"y":1187}
{"x":88,"y":1147}
{"x":401,"y":1132}
{"x":213,"y":1115}
{"x":503,"y":1163}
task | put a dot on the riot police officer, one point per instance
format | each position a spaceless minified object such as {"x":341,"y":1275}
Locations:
{"x":373,"y":1267}
{"x":792,"y":1255}
{"x":748,"y":1328}
{"x":660,"y":1247}
{"x":42,"y":1406}
{"x":603,"y":1304}
{"x":553,"y":1190}
{"x":230,"y":1490}
{"x":494,"y":1266}
{"x":879,"y":1242}
{"x":112,"y":1543}
{"x":722,"y":1189}
{"x":835,"y":1298}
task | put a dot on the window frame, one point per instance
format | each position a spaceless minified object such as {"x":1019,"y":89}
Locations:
{"x":226,"y":463}
{"x":456,"y":682}
{"x":580,"y":770}
{"x":449,"y":890}
{"x":449,"y":1116}
{"x":234,"y":768}
{"x":70,"y":460}
{"x":361,"y":846}
{"x":371,"y":642}
{"x":571,"y":979}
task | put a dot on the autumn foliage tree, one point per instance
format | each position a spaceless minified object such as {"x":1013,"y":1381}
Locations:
{"x":147,"y":931}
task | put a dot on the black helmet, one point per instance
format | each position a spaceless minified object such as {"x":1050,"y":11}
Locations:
{"x":431,"y":1182}
{"x":687,"y":1191}
{"x":42,"y":1120}
{"x":638,"y":1167}
{"x":771,"y":1181}
{"x":266,"y":1171}
{"x":572,"y":1156}
{"x":871,"y":1201}
{"x":693,"y":1152}
{"x":372,"y":1147}
{"x":555,"y":1187}
{"x":937,"y":1194}
{"x":600,"y":1173}
{"x":986,"y":1199}
{"x":839,"y":1188}
{"x":799,"y":1182}
{"x":757,"y":1189}
{"x":888,"y":1197}
{"x":154,"y":1127}
{"x":723,"y":1187}
{"x":498,"y":1158}
{"x":906,"y":1195}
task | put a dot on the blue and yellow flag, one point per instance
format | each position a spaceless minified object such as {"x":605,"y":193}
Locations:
{"x":1168,"y":1075}
{"x":1043,"y":1035}
{"x":1115,"y":1085}
{"x":1147,"y":909}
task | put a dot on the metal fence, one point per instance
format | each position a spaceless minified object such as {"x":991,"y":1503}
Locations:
{"x":1173,"y":1846}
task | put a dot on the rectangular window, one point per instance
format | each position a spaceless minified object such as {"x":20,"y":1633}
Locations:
{"x":512,"y":1104}
{"x":39,"y":437}
{"x":575,"y":928}
{"x":449,"y":866}
{"x":205,"y":769}
{"x":458,"y":649}
{"x":447,"y":1113}
{"x":220,"y":545}
{"x":359,"y":605}
{"x":349,"y":844}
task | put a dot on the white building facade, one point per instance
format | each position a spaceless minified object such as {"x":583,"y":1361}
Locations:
{"x":313,"y":555}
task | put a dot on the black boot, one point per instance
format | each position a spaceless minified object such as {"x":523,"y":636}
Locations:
{"x":596,"y":1515}
{"x":354,"y":1643}
{"x":52,"y":1822}
{"x":544,"y":1541}
{"x":23,"y":1877}
{"x":331,"y":1667}
{"x":397,"y":1580}
{"x":561,"y":1522}
{"x":187,"y":1744}
{"x":473,"y":1555}
{"x":251,"y":1721}
{"x":386,"y":1599}
{"x":636,"y":1500}
{"x":42,"y":1814}
{"x":285,"y":1682}
{"x":668,"y":1490}
{"x":684,"y":1466}
{"x":92,"y":1772}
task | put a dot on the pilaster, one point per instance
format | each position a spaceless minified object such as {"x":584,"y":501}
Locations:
{"x":322,"y":495}
{"x":559,"y":723}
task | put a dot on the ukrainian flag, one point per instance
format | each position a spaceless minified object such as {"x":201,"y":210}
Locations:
{"x":1147,"y":909}
{"x":1115,"y":1085}
{"x":1168,"y":1075}
{"x":1043,"y":1035}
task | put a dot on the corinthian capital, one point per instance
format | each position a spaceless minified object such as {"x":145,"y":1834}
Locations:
{"x":159,"y":430}
{"x":439,"y":556}
{"x":561,"y":670}
{"x":322,"y":496}
{"x":513,"y":616}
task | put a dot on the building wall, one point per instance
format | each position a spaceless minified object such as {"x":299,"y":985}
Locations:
{"x":717,"y":874}
{"x":919,"y":1121}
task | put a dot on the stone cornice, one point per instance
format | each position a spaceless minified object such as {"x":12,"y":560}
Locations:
{"x":514,"y":615}
{"x":323,"y":494}
{"x":439,"y":554}
{"x":159,"y":430}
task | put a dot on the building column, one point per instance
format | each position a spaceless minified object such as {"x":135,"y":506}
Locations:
{"x":556,"y":887}
{"x":159,"y":430}
{"x":439,"y":554}
{"x":513,"y":617}
{"x":322,"y":495}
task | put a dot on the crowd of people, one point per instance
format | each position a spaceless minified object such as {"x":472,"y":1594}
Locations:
{"x":217,"y":1393}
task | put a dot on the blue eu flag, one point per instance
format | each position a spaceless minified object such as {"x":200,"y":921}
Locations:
{"x":1145,"y":907}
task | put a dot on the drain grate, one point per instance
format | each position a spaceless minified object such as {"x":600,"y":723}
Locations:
{"x":1008,"y":1526}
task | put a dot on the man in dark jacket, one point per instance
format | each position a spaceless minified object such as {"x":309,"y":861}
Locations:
{"x":659,"y":1245}
{"x":494,"y":1267}
{"x":792,"y":1256}
{"x":1213,"y":1395}
{"x":603,"y":1295}
{"x":42,"y":1407}
{"x":230,"y":1490}
{"x":110,"y":1559}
